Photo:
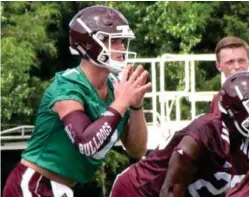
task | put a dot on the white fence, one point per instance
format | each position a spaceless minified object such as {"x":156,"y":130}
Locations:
{"x":163,"y":102}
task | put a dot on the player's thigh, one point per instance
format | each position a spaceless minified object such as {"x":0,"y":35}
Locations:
{"x":25,"y":182}
{"x":12,"y":186}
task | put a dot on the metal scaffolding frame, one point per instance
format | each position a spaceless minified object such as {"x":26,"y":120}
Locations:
{"x":161,"y":125}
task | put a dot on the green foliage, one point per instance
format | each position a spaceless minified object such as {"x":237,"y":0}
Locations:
{"x":35,"y":45}
{"x":14,"y":75}
{"x":24,"y":36}
{"x":236,"y":21}
{"x":172,"y":26}
{"x":112,"y":164}
{"x":35,"y":42}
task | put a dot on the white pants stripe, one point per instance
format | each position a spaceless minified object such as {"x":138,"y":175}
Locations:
{"x":58,"y":189}
{"x":25,"y":182}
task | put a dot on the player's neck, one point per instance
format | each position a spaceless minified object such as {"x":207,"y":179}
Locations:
{"x":96,"y":75}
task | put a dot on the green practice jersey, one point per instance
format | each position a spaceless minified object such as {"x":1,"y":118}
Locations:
{"x":50,"y":146}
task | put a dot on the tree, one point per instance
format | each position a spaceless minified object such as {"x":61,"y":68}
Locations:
{"x":35,"y":45}
{"x":25,"y":36}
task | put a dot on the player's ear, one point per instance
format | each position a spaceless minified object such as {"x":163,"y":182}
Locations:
{"x":218,"y":66}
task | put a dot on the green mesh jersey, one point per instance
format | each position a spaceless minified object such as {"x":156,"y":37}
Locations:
{"x":50,"y":147}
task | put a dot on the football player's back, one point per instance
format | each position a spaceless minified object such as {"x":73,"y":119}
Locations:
{"x":149,"y":174}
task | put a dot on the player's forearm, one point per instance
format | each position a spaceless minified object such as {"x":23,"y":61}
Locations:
{"x":178,"y":176}
{"x":90,"y":137}
{"x":135,"y":140}
{"x":172,"y":187}
{"x":177,"y":190}
{"x":119,"y":106}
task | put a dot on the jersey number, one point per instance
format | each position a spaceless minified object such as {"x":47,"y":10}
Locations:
{"x":230,"y":182}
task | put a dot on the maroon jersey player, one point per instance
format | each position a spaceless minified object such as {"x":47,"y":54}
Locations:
{"x":201,"y":160}
{"x":232,"y":55}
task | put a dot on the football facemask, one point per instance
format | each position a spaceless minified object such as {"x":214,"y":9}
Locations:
{"x":105,"y":56}
{"x":245,"y":123}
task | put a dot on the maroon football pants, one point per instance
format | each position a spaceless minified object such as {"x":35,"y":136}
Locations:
{"x":25,"y":182}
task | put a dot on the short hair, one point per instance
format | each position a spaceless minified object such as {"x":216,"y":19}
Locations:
{"x":230,"y":42}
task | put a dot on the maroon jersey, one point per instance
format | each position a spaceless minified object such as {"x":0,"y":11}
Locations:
{"x":242,"y":189}
{"x":212,"y":178}
{"x":240,"y":163}
{"x":214,"y":107}
{"x":240,"y":157}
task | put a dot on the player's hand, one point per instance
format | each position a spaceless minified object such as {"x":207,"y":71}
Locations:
{"x":132,"y":87}
{"x":141,"y":81}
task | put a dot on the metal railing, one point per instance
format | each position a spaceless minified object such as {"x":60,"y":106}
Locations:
{"x":16,"y":138}
{"x":163,"y":101}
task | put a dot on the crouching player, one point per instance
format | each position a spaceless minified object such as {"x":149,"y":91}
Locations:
{"x":202,"y":160}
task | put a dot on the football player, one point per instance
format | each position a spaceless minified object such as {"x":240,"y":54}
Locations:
{"x":232,"y":55}
{"x":81,"y":116}
{"x":202,"y":160}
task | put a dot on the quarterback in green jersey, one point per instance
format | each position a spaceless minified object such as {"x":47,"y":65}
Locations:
{"x":84,"y":112}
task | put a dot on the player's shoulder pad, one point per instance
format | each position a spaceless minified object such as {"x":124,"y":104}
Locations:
{"x":204,"y":120}
{"x":73,"y":76}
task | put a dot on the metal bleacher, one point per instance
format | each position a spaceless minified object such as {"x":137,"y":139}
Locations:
{"x":162,"y":102}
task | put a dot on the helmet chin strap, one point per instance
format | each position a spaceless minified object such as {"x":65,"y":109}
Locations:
{"x":113,"y":66}
{"x":116,"y":66}
{"x":245,"y":134}
{"x":111,"y":69}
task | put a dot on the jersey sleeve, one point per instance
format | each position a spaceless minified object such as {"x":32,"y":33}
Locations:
{"x":207,"y":133}
{"x":64,"y":89}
